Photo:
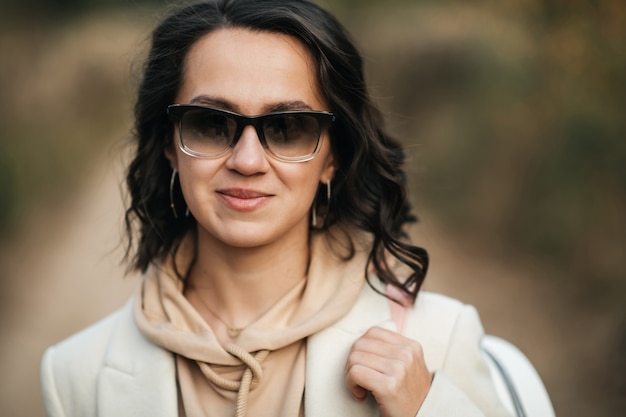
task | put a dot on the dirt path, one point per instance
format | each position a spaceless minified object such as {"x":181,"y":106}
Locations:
{"x":63,"y":274}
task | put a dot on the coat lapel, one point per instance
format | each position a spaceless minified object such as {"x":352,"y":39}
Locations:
{"x":133,"y":364}
{"x":325,"y":391}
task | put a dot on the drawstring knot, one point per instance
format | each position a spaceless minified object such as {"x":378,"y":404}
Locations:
{"x":252,"y":375}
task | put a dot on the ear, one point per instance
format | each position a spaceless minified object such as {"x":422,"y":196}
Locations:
{"x":328,"y":172}
{"x":170,"y":154}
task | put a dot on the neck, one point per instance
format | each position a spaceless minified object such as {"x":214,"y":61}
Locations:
{"x":240,"y":284}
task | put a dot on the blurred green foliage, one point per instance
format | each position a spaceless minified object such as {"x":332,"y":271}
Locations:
{"x":512,"y":112}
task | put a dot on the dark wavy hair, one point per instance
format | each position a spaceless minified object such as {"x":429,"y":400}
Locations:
{"x":369,"y":188}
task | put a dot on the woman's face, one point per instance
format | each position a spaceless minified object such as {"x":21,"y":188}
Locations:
{"x":246,"y":198}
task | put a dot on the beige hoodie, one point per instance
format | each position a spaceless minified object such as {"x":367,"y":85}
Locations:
{"x":262,"y":372}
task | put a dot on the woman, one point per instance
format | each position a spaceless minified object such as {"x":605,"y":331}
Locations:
{"x":271,"y":207}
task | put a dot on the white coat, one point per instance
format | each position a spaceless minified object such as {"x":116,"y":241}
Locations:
{"x":111,"y":370}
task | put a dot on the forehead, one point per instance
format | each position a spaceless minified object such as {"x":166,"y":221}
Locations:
{"x":250,"y":69}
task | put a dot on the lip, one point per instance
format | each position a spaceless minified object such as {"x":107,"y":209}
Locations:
{"x":242,"y":199}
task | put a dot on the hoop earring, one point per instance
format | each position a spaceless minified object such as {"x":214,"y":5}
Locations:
{"x":314,"y":216}
{"x":172,"y":205}
{"x":314,"y":208}
{"x":328,"y":193}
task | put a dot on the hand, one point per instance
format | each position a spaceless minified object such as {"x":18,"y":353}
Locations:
{"x":392,"y":368}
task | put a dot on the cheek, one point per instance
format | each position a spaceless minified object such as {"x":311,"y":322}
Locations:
{"x":194,"y":177}
{"x":307,"y":178}
{"x":303,"y":183}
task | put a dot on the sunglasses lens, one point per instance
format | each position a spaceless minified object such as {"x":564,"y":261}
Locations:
{"x":292,"y":135}
{"x":207,"y":132}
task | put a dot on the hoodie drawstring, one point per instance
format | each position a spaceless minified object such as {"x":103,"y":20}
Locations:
{"x":252,"y":375}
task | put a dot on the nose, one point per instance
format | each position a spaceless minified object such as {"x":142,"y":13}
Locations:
{"x":248,"y":156}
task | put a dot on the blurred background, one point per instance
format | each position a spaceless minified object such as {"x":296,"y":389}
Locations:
{"x":513,"y":116}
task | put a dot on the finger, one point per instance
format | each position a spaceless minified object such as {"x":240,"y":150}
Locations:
{"x":383,"y":388}
{"x":385,"y":365}
{"x":385,"y":335}
{"x":381,"y":341}
{"x":368,"y":344}
{"x":403,"y":349}
{"x":358,"y":393}
{"x":361,"y":380}
{"x":394,"y":395}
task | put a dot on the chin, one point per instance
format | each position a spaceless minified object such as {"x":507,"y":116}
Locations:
{"x":251,"y":235}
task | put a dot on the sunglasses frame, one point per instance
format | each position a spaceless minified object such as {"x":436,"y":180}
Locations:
{"x":176,"y":113}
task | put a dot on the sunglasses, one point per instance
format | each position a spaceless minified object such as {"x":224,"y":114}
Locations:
{"x":291,"y":136}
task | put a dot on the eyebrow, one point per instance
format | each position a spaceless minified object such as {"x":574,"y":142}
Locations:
{"x":213,"y":102}
{"x":223,"y":104}
{"x":289,"y":106}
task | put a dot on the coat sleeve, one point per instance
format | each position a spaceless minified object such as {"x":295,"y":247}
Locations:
{"x":463,"y":385}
